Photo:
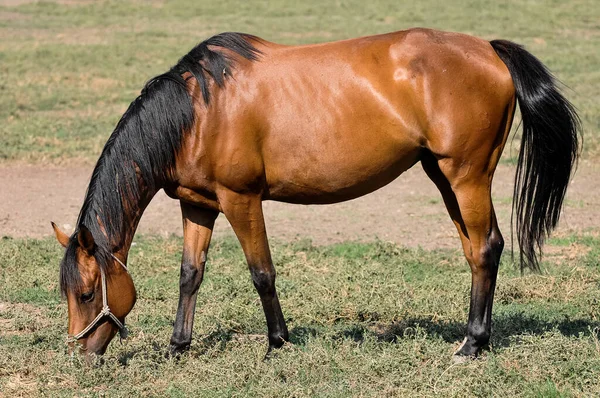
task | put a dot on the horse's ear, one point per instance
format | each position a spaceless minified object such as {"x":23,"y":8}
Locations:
{"x":62,"y":238}
{"x":86,"y":239}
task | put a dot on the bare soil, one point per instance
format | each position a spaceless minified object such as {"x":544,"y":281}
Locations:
{"x":409,"y":211}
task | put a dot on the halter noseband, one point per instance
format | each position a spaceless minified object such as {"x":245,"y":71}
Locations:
{"x":104,"y":312}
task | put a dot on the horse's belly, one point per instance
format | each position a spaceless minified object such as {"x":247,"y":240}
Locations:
{"x":340,"y":172}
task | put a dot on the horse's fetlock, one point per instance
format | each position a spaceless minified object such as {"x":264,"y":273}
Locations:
{"x":278,"y":339}
{"x":478,"y":334}
{"x":179,"y":344}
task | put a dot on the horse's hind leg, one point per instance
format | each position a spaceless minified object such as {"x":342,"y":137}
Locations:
{"x":467,"y":194}
{"x":197,"y":230}
{"x":245,"y":215}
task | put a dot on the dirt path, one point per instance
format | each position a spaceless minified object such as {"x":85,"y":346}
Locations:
{"x":409,"y":211}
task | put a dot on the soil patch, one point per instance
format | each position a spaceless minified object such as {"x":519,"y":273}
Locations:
{"x":409,"y":211}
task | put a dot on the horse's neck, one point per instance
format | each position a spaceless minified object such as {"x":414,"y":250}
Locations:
{"x":131,"y":221}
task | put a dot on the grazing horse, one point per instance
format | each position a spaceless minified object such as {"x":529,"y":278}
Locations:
{"x":239,"y":120}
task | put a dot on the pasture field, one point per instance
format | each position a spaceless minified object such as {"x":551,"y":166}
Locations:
{"x":69,"y":69}
{"x":366,"y":319}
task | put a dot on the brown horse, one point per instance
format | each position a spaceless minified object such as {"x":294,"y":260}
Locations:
{"x":240,"y":120}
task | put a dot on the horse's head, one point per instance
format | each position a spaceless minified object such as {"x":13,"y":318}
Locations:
{"x":88,"y":274}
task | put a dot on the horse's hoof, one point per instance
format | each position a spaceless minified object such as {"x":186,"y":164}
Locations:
{"x":175,"y":351}
{"x":467,"y":349}
{"x":273,"y":350}
{"x":271,"y":353}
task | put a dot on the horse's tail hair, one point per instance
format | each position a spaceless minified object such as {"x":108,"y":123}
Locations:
{"x":549,"y":150}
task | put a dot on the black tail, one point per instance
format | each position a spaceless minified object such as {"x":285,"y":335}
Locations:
{"x":549,"y":149}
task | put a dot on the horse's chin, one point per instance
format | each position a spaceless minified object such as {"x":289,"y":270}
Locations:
{"x":96,"y":344}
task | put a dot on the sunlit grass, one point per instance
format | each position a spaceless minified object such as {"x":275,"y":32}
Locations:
{"x":366,"y":319}
{"x":57,"y":60}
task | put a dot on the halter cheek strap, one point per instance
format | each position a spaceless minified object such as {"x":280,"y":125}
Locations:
{"x":105,"y":310}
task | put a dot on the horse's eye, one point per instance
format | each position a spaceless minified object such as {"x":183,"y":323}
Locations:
{"x":87,"y":297}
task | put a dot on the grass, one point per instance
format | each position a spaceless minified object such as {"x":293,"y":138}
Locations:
{"x":366,"y":319}
{"x":68,"y":70}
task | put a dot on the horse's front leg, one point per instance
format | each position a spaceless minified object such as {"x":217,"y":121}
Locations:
{"x":245,"y":215}
{"x":197,"y":229}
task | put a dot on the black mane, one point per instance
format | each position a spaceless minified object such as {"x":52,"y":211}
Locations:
{"x":140,"y":153}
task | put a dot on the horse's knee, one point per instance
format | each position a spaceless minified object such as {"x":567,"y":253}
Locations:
{"x":191,"y":278}
{"x":264,"y":280}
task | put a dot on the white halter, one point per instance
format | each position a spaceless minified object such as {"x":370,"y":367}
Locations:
{"x":104,"y":312}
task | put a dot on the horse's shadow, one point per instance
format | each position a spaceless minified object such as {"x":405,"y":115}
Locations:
{"x":504,"y":329}
{"x":215,"y":341}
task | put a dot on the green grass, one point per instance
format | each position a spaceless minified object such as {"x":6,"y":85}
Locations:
{"x":366,"y":319}
{"x":68,"y":71}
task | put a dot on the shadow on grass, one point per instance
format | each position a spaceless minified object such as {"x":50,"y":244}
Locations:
{"x":216,"y":340}
{"x":504,"y":328}
{"x":160,"y":353}
{"x":156,"y":353}
{"x":406,"y":328}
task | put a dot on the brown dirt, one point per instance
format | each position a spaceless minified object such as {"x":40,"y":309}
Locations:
{"x":13,"y":16}
{"x":13,"y":3}
{"x":408,"y":211}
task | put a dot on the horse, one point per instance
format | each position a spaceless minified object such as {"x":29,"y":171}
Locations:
{"x":240,"y":120}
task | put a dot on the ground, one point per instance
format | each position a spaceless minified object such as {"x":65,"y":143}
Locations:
{"x":409,"y":211}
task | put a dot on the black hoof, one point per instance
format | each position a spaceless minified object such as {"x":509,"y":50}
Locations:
{"x":278,"y":340}
{"x":175,"y":350}
{"x":269,"y":355}
{"x":468,"y":349}
{"x":274,"y":344}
